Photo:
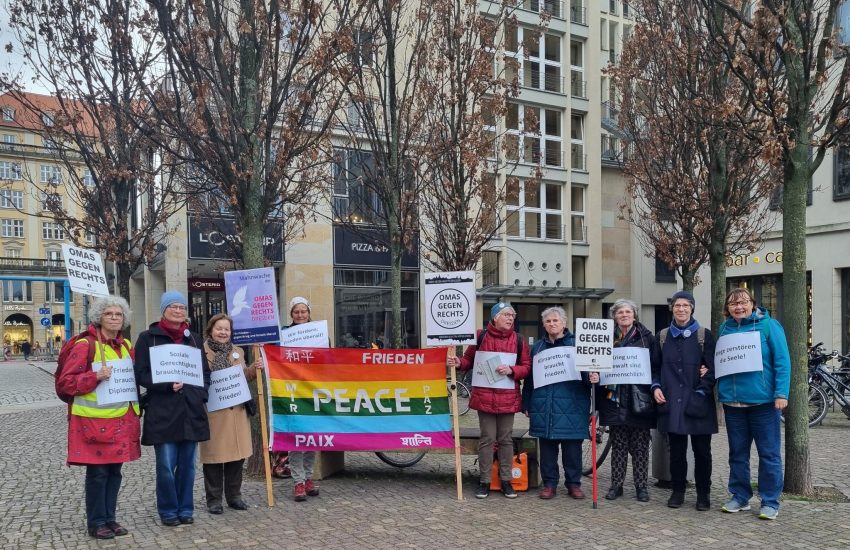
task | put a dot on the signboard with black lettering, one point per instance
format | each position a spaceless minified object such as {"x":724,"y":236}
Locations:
{"x":85,"y":271}
{"x":369,"y":247}
{"x":228,"y":388}
{"x":212,"y":238}
{"x":594,"y":344}
{"x":176,"y":363}
{"x":450,"y":308}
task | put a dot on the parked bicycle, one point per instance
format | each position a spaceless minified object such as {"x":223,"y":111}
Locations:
{"x":404,"y":458}
{"x":603,"y":447}
{"x":825,"y":385}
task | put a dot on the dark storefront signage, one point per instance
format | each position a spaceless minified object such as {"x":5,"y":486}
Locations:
{"x":199,"y":284}
{"x":217,"y":239}
{"x":368,"y":248}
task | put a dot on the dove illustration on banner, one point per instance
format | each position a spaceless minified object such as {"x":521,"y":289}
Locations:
{"x":239,"y":300}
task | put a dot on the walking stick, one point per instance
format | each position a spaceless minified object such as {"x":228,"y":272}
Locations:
{"x":264,"y":432}
{"x":593,"y":415}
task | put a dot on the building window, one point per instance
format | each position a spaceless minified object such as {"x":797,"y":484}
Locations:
{"x":845,"y":311}
{"x":52,"y":231}
{"x":47,"y":119}
{"x":490,"y":267}
{"x":578,"y":226}
{"x":8,"y":114}
{"x":50,"y":173}
{"x":775,"y":202}
{"x":50,"y":201}
{"x":533,"y":58}
{"x":841,"y":172}
{"x":12,"y":228}
{"x":9,"y":139}
{"x":10,"y":170}
{"x":363,"y":52}
{"x":54,"y":255}
{"x":578,"y":85}
{"x":663,"y":272}
{"x":88,"y":179}
{"x":578,"y":159}
{"x":354,"y":198}
{"x":533,"y":135}
{"x":90,"y":238}
{"x":11,"y":199}
{"x":842,"y":23}
{"x":535,"y":210}
{"x":59,"y":292}
{"x":17,"y":291}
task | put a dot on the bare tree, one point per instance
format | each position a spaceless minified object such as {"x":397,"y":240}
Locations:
{"x":697,"y":183}
{"x":95,"y":119}
{"x":794,"y":73}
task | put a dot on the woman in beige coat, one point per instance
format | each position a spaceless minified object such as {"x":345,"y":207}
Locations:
{"x":230,"y":430}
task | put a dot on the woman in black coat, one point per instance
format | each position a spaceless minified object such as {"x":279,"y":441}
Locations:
{"x":629,"y":430}
{"x":175,"y":417}
{"x":683,"y":387}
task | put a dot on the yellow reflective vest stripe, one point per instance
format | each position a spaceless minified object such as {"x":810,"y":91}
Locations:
{"x":86,"y":404}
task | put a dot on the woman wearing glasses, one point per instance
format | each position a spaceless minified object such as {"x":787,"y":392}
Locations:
{"x":175,"y":414}
{"x":101,"y":436}
{"x":752,"y":402}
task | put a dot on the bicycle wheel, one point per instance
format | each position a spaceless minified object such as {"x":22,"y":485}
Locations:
{"x":603,"y":446}
{"x":819,"y":403}
{"x":400,"y":459}
{"x":463,"y":396}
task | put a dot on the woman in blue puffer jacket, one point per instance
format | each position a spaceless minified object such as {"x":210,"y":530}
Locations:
{"x":558,"y":413}
{"x":752,"y":402}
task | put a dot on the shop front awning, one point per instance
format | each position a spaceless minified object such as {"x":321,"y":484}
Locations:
{"x":562,"y":293}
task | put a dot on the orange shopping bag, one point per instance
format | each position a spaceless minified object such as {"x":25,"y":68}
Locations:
{"x":519,"y":474}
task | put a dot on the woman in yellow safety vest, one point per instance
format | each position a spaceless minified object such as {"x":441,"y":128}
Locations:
{"x":103,"y":432}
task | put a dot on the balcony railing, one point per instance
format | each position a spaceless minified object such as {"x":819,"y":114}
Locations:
{"x":578,"y":87}
{"x":549,"y":82}
{"x":29,"y":150}
{"x":31,"y":264}
{"x":578,"y":14}
{"x":549,"y":7}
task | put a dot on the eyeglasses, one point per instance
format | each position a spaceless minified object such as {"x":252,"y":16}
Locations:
{"x":114,"y":314}
{"x":177,"y":307}
{"x":739,"y":303}
{"x":682,"y":306}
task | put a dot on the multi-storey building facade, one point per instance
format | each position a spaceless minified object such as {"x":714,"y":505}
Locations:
{"x":30,"y":245}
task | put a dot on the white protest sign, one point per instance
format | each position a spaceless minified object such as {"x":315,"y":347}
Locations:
{"x":121,"y":385}
{"x":736,"y":353}
{"x":306,"y":335}
{"x":483,"y":369}
{"x":555,"y":365}
{"x":228,"y":387}
{"x":449,"y":308}
{"x":85,"y":271}
{"x":177,"y":363}
{"x":594,"y":344}
{"x":631,"y":366}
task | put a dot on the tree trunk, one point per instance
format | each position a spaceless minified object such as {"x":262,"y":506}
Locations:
{"x":717,"y":262}
{"x":798,"y":473}
{"x":688,"y":279}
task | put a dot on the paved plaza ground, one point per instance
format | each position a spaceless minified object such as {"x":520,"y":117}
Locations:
{"x":372,"y":505}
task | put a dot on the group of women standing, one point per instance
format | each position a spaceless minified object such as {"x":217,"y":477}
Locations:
{"x":103,"y":437}
{"x":679,"y":402}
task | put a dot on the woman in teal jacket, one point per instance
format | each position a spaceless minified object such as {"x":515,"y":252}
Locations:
{"x":752,"y":402}
{"x":558,"y":413}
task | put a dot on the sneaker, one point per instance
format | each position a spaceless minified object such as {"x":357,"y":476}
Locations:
{"x":734,"y":506}
{"x":768,"y":512}
{"x":508,"y":489}
{"x":483,"y":490}
{"x":300,"y":492}
{"x":311,"y":488}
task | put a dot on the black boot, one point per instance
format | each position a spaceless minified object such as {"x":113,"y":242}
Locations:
{"x":642,"y":494}
{"x":677,"y":498}
{"x":614,"y":492}
{"x":703,"y":502}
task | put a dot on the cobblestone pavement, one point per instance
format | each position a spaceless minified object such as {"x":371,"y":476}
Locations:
{"x":372,"y":505}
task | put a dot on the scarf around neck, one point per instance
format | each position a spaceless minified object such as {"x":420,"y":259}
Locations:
{"x":176,"y":334}
{"x":221,"y":359}
{"x":677,"y":332}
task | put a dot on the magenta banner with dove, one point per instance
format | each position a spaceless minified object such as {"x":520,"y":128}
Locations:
{"x":252,"y":303}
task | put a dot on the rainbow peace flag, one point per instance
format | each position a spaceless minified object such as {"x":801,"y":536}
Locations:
{"x":357,"y":399}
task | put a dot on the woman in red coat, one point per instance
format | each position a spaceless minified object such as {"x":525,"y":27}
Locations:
{"x":101,"y":435}
{"x":497,"y":406}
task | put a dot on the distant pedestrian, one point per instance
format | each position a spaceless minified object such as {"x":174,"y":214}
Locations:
{"x":7,"y":352}
{"x":26,"y":348}
{"x":175,"y":414}
{"x":101,"y":437}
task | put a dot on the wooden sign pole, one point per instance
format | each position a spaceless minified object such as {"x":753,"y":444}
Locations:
{"x":264,"y":431}
{"x":456,"y":429}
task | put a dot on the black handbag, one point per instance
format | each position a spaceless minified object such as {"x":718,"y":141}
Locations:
{"x":251,"y":407}
{"x":641,"y":402}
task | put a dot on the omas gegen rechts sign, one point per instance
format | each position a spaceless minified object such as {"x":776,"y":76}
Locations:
{"x":85,"y":271}
{"x":450,"y":306}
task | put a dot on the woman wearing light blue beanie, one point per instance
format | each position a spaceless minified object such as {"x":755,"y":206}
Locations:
{"x":175,"y":417}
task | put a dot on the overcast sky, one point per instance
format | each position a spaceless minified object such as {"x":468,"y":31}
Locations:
{"x":13,"y":63}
